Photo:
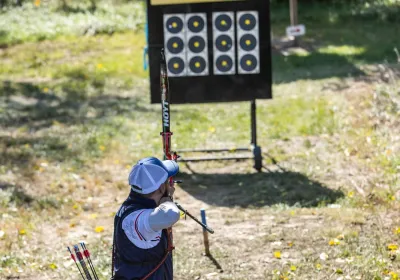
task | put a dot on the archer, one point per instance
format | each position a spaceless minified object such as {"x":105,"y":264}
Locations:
{"x":142,"y":244}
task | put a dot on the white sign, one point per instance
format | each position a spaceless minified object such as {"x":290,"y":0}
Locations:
{"x":296,"y":30}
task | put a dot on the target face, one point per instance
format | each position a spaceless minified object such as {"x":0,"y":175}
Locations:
{"x":174,"y":25}
{"x":223,"y":23}
{"x":175,"y":45}
{"x":247,"y":22}
{"x":223,"y":43}
{"x":224,"y":63}
{"x":197,"y":64}
{"x":196,"y":24}
{"x":248,"y":42}
{"x":197,"y":44}
{"x":248,"y":62}
{"x":176,"y":65}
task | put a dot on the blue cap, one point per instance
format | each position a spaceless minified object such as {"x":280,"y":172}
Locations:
{"x":149,"y":173}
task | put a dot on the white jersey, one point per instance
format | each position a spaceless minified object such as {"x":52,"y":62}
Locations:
{"x":144,"y":227}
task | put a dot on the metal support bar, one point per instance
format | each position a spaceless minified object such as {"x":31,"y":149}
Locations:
{"x":254,"y":149}
{"x":294,"y":18}
{"x":214,"y":158}
{"x":253,"y":123}
{"x":214,"y":150}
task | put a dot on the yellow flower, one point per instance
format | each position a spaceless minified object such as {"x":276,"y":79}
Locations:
{"x":99,"y":229}
{"x":99,"y":66}
{"x":334,"y":242}
{"x":318,"y":266}
{"x":350,"y":194}
{"x":211,"y":129}
{"x":293,"y":268}
{"x":76,"y":206}
{"x":392,"y":247}
{"x":53,"y":266}
{"x":37,"y":3}
{"x":22,"y":232}
{"x":397,"y":231}
{"x":102,"y":148}
{"x":394,"y":275}
{"x":277,"y":254}
{"x":46,"y":90}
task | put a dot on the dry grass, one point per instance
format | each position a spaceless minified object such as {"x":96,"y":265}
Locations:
{"x":74,"y":121}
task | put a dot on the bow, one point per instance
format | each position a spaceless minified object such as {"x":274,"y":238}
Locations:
{"x":166,"y":132}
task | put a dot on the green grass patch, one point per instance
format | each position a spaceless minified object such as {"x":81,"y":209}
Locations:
{"x":49,"y":21}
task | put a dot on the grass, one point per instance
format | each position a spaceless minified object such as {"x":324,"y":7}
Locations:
{"x":49,"y":20}
{"x":75,"y":115}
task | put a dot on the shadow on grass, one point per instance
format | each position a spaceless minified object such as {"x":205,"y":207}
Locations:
{"x":258,"y":189}
{"x":26,"y":104}
{"x":22,"y":151}
{"x":313,"y":66}
{"x":3,"y":37}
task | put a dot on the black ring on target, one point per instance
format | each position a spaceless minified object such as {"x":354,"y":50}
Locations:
{"x":248,"y":38}
{"x":223,"y":18}
{"x":191,"y":24}
{"x":197,"y":64}
{"x":224,"y":67}
{"x":247,"y":18}
{"x":173,"y":62}
{"x":179,"y":45}
{"x":199,"y":47}
{"x":174,"y":24}
{"x":221,"y":46}
{"x":244,"y":62}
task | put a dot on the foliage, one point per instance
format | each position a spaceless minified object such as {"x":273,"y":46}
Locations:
{"x":46,"y":21}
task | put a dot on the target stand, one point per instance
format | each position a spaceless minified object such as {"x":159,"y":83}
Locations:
{"x":216,"y":51}
{"x":253,"y":152}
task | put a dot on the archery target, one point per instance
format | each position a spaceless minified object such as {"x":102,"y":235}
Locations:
{"x":197,"y":64}
{"x":176,"y":65}
{"x":196,"y":38}
{"x":248,"y":42}
{"x":195,"y":23}
{"x":174,"y":24}
{"x":224,"y":63}
{"x":196,"y":44}
{"x":224,"y":43}
{"x":175,"y":44}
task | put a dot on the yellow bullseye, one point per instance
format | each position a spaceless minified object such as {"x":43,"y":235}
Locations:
{"x":174,"y":25}
{"x":223,"y":22}
{"x":224,"y":63}
{"x":197,"y":65}
{"x":248,"y":62}
{"x":248,"y":42}
{"x":176,"y":65}
{"x":196,"y":44}
{"x":247,"y":22}
{"x":175,"y":45}
{"x":196,"y":24}
{"x":224,"y":43}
